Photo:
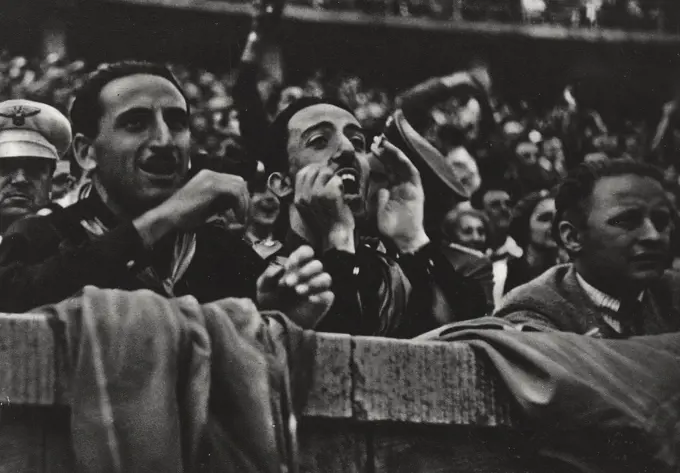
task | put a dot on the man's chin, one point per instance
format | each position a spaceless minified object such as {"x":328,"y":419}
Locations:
{"x":16,"y":211}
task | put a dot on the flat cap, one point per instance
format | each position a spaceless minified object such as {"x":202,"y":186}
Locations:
{"x":32,"y":129}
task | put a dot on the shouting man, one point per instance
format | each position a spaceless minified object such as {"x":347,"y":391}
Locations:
{"x":143,"y":224}
{"x":321,"y":164}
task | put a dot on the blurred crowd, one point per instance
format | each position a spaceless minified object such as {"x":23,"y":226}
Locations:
{"x":526,"y":150}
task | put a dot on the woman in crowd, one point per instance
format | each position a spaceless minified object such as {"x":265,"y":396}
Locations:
{"x":531,"y":228}
{"x":466,"y":227}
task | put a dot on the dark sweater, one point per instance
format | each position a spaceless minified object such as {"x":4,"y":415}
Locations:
{"x":556,"y":300}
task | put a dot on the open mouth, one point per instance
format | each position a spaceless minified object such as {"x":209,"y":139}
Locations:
{"x":160,"y":165}
{"x":350,"y":181}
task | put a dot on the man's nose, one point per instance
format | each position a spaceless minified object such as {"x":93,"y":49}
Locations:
{"x":649,"y":231}
{"x":161,"y":134}
{"x":19,"y":176}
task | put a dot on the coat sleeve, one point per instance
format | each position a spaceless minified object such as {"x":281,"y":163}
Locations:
{"x":37,"y":268}
{"x":525,"y":316}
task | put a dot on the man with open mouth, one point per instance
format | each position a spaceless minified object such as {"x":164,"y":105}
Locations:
{"x":33,"y":137}
{"x":145,"y":221}
{"x":319,"y":167}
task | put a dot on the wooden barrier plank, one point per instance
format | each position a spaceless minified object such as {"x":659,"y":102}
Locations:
{"x":334,"y":446}
{"x":330,"y":394}
{"x":434,"y":383}
{"x":432,"y":449}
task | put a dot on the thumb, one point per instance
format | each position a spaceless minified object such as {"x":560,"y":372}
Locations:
{"x":383,"y":199}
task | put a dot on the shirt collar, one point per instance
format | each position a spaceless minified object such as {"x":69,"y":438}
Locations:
{"x":509,"y":249}
{"x":605,"y":301}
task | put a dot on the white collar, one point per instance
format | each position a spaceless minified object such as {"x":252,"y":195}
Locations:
{"x":604,"y":300}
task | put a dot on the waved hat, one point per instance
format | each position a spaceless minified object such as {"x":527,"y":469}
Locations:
{"x":438,"y":178}
{"x":32,"y":129}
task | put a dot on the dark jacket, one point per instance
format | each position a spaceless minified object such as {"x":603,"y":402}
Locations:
{"x":555,"y":299}
{"x":398,"y":296}
{"x":46,"y":259}
{"x":476,"y":267}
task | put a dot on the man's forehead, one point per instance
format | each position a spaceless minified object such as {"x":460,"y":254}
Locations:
{"x":629,"y":189}
{"x":141,"y":90}
{"x":316,"y":114}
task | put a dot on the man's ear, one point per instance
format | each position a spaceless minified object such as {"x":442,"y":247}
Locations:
{"x":570,"y":236}
{"x":280,"y":185}
{"x":84,"y":152}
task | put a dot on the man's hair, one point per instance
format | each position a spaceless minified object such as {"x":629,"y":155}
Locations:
{"x":86,"y":110}
{"x":573,"y":195}
{"x":276,"y":152}
{"x":488,"y":185}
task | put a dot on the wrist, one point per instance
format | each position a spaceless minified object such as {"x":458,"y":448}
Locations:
{"x":252,"y":49}
{"x":409,"y":244}
{"x":153,"y":225}
{"x":340,"y":238}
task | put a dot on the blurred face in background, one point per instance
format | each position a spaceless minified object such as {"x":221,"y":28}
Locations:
{"x":553,"y":150}
{"x":497,"y":206}
{"x":540,"y":225}
{"x":465,"y":114}
{"x":264,"y":207}
{"x":288,"y":96}
{"x":527,"y":153}
{"x":465,"y":229}
{"x":465,"y":167}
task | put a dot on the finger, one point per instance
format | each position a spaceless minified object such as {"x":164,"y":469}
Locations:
{"x":308,"y":271}
{"x":297,"y":259}
{"x":326,"y":297}
{"x":402,"y":165}
{"x":270,"y":277}
{"x":322,"y":178}
{"x":242,"y":208}
{"x":383,"y":199}
{"x":320,"y":283}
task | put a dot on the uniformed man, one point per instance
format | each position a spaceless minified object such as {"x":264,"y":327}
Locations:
{"x":144,"y":222}
{"x":33,"y":136}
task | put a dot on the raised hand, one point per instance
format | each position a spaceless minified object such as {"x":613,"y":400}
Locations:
{"x":401,"y":204}
{"x":319,"y":200}
{"x":204,"y":195}
{"x":267,"y":15}
{"x":300,"y":288}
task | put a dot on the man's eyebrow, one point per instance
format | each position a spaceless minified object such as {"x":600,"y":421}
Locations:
{"x":315,"y":127}
{"x":354,"y":127}
{"x":145,"y":111}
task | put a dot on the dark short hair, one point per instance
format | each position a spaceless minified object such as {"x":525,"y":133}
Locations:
{"x":521,"y":216}
{"x":86,"y":109}
{"x":488,"y":185}
{"x":276,"y":152}
{"x":574,"y":193}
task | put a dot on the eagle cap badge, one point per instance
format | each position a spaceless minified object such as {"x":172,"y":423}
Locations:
{"x":19,"y":113}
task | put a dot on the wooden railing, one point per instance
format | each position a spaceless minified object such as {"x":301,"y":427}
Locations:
{"x":376,"y":405}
